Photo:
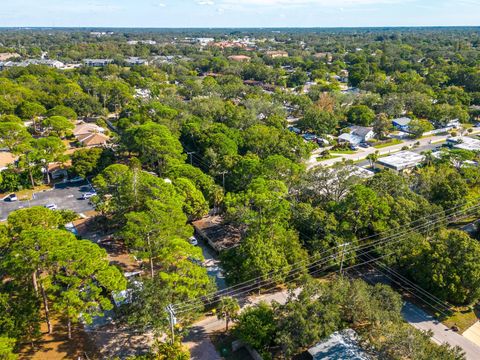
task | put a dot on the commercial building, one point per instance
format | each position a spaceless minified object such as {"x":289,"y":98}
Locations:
{"x":401,"y":161}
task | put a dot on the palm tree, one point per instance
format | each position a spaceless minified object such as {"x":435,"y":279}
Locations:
{"x":227,"y":309}
{"x":373,"y":158}
{"x":429,"y":159}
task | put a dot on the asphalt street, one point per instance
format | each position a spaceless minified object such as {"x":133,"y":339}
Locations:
{"x":441,"y":334}
{"x":66,"y":196}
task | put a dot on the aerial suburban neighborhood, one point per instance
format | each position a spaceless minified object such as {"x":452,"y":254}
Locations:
{"x":248,"y":193}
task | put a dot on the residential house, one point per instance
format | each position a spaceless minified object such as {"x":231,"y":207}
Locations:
{"x":90,"y":135}
{"x":97,"y":62}
{"x":93,"y":139}
{"x":464,"y":143}
{"x":357,"y":135}
{"x":277,"y":54}
{"x":239,"y":58}
{"x":402,"y":123}
{"x":135,"y":61}
{"x":340,"y":345}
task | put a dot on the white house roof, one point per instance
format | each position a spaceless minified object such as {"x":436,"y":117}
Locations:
{"x":403,"y":121}
{"x":351,"y":138}
{"x":465,"y":143}
{"x":341,"y":345}
{"x":402,"y":160}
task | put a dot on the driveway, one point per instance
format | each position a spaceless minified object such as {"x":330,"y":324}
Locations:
{"x":66,"y":196}
{"x":212,"y":264}
{"x":441,"y":334}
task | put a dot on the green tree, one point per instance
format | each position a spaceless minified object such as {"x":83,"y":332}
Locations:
{"x":58,"y":125}
{"x":7,"y":346}
{"x":155,"y":144}
{"x":361,"y":115}
{"x":195,"y":206}
{"x":381,"y":126}
{"x":88,"y":162}
{"x":14,"y":137}
{"x":84,"y":282}
{"x":227,"y":309}
{"x":319,"y":121}
{"x":418,"y":127}
{"x":147,"y":232}
{"x":448,"y":267}
{"x":256,"y":326}
{"x":373,"y":158}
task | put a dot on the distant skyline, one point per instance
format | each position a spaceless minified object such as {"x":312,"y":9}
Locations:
{"x":238,"y":13}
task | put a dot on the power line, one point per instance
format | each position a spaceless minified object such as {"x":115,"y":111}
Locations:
{"x":249,"y":283}
{"x":188,"y":306}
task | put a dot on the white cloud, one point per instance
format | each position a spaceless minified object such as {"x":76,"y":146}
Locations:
{"x":325,"y":3}
{"x":205,"y":2}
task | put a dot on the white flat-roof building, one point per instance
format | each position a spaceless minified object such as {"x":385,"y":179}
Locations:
{"x":464,"y":143}
{"x":401,"y":161}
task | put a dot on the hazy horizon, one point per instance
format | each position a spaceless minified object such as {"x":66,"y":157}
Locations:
{"x":239,"y":14}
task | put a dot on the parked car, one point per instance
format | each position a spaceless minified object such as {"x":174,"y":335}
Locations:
{"x":364,"y":145}
{"x":76,"y":179}
{"x":89,"y":195}
{"x":193,"y":240}
{"x":11,"y":197}
{"x":51,"y":206}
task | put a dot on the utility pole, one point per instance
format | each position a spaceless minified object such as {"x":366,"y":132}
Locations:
{"x":223,"y":177}
{"x":173,"y":321}
{"x":343,"y":257}
{"x":190,"y":153}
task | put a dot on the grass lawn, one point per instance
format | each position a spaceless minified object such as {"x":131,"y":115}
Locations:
{"x":320,"y":158}
{"x":342,"y":152}
{"x":463,"y":318}
{"x":388,"y":143}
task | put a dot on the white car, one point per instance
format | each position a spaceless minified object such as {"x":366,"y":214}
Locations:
{"x":89,"y":195}
{"x":51,"y":206}
{"x":193,"y":240}
{"x":11,"y":198}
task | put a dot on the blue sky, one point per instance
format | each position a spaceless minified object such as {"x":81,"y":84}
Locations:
{"x":239,"y":13}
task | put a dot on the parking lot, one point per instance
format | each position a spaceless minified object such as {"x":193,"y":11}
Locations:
{"x":66,"y":196}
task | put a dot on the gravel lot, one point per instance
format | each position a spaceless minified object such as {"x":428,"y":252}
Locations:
{"x":65,"y":196}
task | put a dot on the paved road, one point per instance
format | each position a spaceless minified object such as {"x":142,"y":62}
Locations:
{"x":427,"y":143}
{"x":441,"y":334}
{"x":65,"y":196}
{"x":198,"y":341}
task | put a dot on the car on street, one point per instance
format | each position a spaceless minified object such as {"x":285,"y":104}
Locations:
{"x":76,"y":179}
{"x":88,"y":195}
{"x":11,"y":198}
{"x":51,"y":206}
{"x":193,"y":240}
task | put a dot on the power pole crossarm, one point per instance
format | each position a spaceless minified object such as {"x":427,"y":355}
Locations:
{"x":173,"y":321}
